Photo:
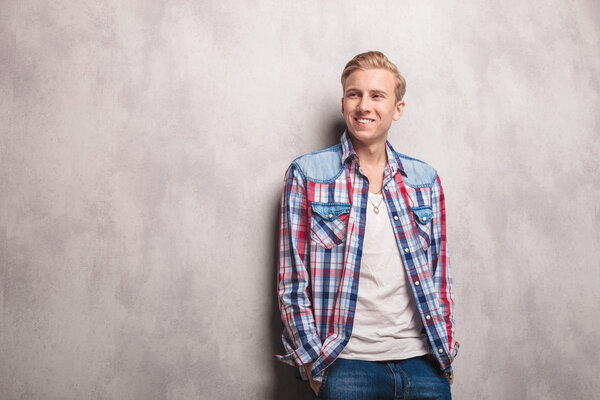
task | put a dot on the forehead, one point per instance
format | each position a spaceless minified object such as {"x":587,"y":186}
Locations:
{"x":371,"y":79}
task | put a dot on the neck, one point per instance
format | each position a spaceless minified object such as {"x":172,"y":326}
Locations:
{"x":370,"y":154}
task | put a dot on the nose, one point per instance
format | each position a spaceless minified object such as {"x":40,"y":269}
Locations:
{"x":364,"y":104}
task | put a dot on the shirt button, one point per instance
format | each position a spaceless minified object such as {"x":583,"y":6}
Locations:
{"x":417,"y":283}
{"x":386,"y":187}
{"x":428,"y":317}
{"x":424,"y":219}
{"x":406,"y":250}
{"x":440,"y":351}
{"x":330,"y":216}
{"x":395,"y":218}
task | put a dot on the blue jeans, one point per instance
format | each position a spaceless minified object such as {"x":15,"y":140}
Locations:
{"x":415,"y":378}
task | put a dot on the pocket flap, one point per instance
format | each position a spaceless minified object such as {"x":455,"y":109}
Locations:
{"x":330,"y":211}
{"x":423,"y":214}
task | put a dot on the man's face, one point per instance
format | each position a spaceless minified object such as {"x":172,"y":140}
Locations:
{"x":369,"y":104}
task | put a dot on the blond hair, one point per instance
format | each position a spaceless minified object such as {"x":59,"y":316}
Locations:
{"x":373,"y":60}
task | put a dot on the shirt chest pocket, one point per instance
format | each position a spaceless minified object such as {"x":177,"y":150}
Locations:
{"x":422,"y":216}
{"x":329,"y":223}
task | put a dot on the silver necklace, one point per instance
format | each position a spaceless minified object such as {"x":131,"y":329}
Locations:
{"x":376,"y":206}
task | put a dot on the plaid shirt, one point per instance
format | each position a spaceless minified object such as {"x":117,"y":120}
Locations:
{"x":322,"y":226}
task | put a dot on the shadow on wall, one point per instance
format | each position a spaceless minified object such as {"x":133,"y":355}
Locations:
{"x":287,"y":386}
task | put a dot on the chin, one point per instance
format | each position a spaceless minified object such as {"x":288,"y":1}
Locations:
{"x":364,"y":136}
{"x":370,"y":133}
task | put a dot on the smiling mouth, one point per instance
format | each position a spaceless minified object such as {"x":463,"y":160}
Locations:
{"x":363,"y":120}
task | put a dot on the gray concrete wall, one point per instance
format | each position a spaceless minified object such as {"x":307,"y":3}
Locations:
{"x":143,"y":149}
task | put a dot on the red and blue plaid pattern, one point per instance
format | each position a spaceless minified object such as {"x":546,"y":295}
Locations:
{"x":322,"y":226}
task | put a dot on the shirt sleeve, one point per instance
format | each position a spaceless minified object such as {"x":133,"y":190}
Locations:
{"x":440,"y":263}
{"x":300,"y":337}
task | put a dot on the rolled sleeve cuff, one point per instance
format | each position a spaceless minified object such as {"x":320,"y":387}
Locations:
{"x":454,"y":350}
{"x":304,"y":354}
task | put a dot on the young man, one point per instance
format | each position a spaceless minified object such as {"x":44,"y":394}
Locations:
{"x":364,"y":283}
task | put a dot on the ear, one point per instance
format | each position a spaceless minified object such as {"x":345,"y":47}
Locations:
{"x":399,"y":110}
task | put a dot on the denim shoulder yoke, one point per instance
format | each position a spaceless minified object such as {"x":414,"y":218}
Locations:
{"x":325,"y":166}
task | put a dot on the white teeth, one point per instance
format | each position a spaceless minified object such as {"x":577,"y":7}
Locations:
{"x":363,"y":121}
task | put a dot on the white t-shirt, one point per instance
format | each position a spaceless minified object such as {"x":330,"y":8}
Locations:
{"x":387,"y":324}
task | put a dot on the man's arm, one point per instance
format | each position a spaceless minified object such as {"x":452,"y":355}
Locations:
{"x":440,"y":263}
{"x":293,"y":275}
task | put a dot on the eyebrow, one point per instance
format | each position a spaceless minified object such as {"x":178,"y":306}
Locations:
{"x":378,"y":91}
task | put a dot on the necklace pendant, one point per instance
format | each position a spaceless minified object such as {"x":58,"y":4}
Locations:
{"x":376,"y":209}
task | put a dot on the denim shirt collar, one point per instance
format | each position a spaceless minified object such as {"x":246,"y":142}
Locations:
{"x":349,"y":155}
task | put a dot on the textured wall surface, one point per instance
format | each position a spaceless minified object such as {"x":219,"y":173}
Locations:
{"x":143,"y":150}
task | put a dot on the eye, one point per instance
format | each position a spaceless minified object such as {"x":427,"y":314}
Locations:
{"x":352,"y":94}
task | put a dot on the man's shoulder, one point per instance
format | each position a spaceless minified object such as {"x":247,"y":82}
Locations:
{"x":321,"y":166}
{"x":418,"y":172}
{"x":325,"y":166}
